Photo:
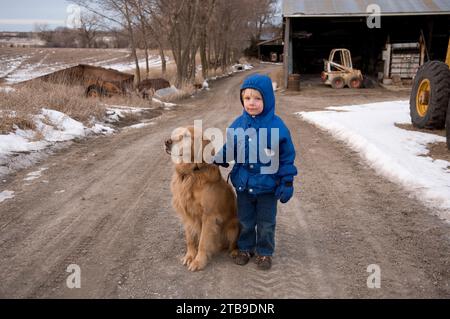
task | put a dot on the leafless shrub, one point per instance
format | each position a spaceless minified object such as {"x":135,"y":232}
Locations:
{"x":19,"y":107}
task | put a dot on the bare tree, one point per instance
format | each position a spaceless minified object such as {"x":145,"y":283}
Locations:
{"x":118,"y":12}
{"x":262,"y":13}
{"x":219,"y":30}
{"x":182,"y":17}
{"x":152,"y":28}
{"x":44,"y":32}
{"x":89,"y":27}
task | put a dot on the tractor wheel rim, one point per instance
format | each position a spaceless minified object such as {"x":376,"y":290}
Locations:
{"x":421,"y":104}
{"x":355,"y":83}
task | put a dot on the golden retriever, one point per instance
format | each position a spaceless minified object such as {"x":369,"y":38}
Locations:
{"x":205,"y":202}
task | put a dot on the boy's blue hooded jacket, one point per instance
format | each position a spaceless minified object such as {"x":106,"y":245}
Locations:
{"x":246,"y":174}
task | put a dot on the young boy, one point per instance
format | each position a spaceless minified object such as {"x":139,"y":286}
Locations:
{"x":265,"y":144}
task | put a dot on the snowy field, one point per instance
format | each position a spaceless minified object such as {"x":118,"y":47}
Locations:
{"x":398,"y":154}
{"x":18,"y":66}
{"x":153,"y":62}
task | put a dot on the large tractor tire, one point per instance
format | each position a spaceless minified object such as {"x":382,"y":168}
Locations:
{"x":447,"y":126}
{"x":430,"y":95}
{"x":95,"y":91}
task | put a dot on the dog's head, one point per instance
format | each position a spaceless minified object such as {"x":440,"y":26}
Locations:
{"x":189,"y":149}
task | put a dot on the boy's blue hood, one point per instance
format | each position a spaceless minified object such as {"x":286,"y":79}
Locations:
{"x":263,"y":84}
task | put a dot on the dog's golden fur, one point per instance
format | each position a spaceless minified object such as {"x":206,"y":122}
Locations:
{"x":206,"y":204}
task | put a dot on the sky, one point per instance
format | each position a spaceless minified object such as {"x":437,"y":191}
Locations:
{"x":22,"y":15}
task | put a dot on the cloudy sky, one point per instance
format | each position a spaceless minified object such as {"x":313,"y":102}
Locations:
{"x":22,"y":15}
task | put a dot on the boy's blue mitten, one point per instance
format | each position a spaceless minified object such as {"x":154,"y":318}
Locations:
{"x":284,"y":192}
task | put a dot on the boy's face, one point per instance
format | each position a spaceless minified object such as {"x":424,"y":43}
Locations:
{"x":253,"y":102}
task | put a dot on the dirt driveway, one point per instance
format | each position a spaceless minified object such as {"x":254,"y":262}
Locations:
{"x":105,"y":205}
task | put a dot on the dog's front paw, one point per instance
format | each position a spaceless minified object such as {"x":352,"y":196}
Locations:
{"x":187,"y":259}
{"x":197,"y":264}
{"x":234,"y":253}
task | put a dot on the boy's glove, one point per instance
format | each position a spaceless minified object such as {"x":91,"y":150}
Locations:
{"x":226,"y":165}
{"x":284,"y":192}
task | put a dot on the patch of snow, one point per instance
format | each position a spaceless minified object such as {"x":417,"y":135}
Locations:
{"x":154,"y":62}
{"x":30,"y":71}
{"x":116,"y":112}
{"x":140,"y":125}
{"x":34,"y":175}
{"x":241,"y":67}
{"x":10,"y":64}
{"x":18,"y":142}
{"x":21,"y":148}
{"x":398,"y":154}
{"x":102,"y":129}
{"x":6,"y":195}
{"x":7,"y":89}
{"x":66,"y":127}
{"x":159,"y":94}
{"x":166,"y":105}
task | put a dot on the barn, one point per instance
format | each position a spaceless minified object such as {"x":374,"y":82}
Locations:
{"x":387,"y":39}
{"x":271,"y":50}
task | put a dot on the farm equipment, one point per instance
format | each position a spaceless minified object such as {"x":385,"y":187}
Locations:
{"x":101,"y":82}
{"x":339,"y":72}
{"x":97,"y":81}
{"x":430,"y":96}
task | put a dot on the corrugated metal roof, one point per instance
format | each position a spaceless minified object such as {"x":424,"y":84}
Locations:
{"x":318,"y":8}
{"x":276,"y":41}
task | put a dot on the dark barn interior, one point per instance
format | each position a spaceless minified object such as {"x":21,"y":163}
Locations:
{"x":314,"y":37}
{"x":271,"y":52}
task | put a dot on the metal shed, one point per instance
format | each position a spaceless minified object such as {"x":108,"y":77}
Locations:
{"x":339,"y":8}
{"x":271,"y":50}
{"x":411,"y":31}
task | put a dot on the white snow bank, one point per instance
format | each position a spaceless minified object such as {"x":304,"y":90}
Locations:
{"x":6,"y":195}
{"x":63,"y":127}
{"x":52,"y":126}
{"x":398,"y":154}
